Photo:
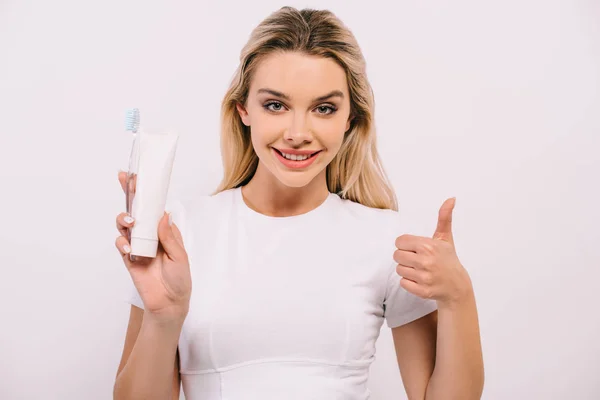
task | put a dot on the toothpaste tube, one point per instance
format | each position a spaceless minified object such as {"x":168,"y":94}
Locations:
{"x":148,"y":179}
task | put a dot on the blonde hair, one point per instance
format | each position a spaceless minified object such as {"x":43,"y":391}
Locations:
{"x":356,"y":172}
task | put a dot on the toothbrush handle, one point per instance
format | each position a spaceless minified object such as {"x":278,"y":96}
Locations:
{"x":130,"y":187}
{"x":129,"y":195}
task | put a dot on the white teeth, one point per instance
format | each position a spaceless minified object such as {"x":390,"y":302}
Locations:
{"x":295,"y":157}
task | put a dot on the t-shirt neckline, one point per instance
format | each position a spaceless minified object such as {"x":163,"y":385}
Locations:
{"x":246,"y":210}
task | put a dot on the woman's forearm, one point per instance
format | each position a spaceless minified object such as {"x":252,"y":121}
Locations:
{"x":148,"y":373}
{"x":458,"y":372}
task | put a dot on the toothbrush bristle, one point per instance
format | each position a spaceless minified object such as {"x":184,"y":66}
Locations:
{"x":132,"y":120}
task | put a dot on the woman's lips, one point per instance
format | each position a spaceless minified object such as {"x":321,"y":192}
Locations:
{"x":297,"y":164}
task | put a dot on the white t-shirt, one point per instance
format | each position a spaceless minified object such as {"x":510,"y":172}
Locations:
{"x":287,"y":307}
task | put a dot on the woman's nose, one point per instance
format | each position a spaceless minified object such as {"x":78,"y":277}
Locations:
{"x":299,"y":131}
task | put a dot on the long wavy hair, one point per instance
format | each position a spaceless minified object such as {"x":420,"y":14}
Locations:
{"x":356,"y":172}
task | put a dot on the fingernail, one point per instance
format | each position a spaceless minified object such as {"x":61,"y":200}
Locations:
{"x":128,"y":219}
{"x":170,"y":219}
{"x":127,"y":249}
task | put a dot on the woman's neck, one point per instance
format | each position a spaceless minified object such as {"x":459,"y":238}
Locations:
{"x":267,"y":195}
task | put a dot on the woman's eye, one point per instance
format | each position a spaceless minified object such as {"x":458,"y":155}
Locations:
{"x":274,"y":106}
{"x":326,"y":110}
{"x":321,"y":110}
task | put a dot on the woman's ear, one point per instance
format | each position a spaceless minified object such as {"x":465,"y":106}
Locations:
{"x":350,"y":119}
{"x":243,"y":114}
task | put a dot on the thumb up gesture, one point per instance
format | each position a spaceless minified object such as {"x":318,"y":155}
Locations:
{"x":429,"y":267}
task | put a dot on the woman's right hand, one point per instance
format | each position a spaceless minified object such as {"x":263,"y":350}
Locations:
{"x":164,"y":283}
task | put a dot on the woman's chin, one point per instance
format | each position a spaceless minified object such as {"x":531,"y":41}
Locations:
{"x":295,"y":179}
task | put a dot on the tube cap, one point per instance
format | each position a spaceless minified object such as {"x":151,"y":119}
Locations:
{"x":144,"y":247}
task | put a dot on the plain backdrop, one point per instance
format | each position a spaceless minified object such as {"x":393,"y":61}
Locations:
{"x":496,"y":103}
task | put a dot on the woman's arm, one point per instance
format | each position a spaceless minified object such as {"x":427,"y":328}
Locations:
{"x":415,"y":351}
{"x":149,"y":366}
{"x":440,"y":355}
{"x":458,"y":372}
{"x":430,"y":269}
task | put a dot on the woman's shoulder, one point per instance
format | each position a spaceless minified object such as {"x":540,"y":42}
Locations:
{"x":369,"y":231}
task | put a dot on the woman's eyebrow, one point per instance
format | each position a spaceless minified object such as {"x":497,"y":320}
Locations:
{"x":335,"y":93}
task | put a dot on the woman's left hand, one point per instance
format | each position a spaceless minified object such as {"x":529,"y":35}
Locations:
{"x":429,"y":267}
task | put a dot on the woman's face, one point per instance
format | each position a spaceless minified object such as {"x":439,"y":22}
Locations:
{"x":298,"y":110}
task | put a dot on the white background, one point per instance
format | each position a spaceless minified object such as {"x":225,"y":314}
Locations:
{"x":497,"y":103}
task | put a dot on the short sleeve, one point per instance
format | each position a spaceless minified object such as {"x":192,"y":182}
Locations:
{"x":402,"y":307}
{"x":176,"y":208}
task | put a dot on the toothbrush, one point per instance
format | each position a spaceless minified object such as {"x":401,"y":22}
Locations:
{"x":132,"y":124}
{"x":132,"y":120}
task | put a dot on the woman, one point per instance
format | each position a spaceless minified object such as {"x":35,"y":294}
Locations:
{"x":292,"y":260}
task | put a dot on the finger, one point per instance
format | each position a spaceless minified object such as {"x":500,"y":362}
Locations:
{"x":414,"y":288}
{"x":123,"y":246}
{"x":124,"y":222}
{"x":177,"y":234}
{"x":173,"y":249}
{"x":123,"y":180}
{"x":408,"y":273}
{"x":131,"y":261}
{"x":126,"y":179}
{"x":407,"y":258}
{"x":443,"y":230}
{"x":408,"y":242}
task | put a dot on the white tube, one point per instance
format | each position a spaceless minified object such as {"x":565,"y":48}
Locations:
{"x":149,"y":185}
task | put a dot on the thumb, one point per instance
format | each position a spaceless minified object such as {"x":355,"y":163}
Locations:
{"x":443,"y":231}
{"x":168,"y":239}
{"x":177,"y":234}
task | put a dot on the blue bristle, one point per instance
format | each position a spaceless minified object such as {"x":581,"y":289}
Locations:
{"x":132,"y":120}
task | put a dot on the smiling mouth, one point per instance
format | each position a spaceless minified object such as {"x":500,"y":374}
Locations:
{"x":296,"y":157}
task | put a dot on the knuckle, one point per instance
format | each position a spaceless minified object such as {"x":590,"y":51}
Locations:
{"x":425,"y":247}
{"x":427,"y":263}
{"x":427,"y":279}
